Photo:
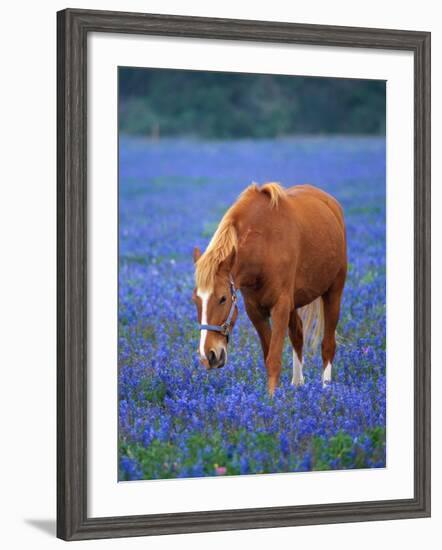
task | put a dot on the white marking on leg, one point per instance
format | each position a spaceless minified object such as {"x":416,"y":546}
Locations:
{"x":326,"y":375}
{"x":204,"y":300}
{"x":298,"y":377}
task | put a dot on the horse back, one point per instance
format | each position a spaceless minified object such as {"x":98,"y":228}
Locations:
{"x":309,"y":191}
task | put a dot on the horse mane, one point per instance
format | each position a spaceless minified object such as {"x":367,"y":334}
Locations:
{"x":225,"y":238}
{"x":223,"y":242}
{"x":273,"y":190}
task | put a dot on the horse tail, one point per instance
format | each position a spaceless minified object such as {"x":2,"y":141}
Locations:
{"x":312,"y":316}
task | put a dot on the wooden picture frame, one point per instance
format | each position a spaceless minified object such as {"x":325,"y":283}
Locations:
{"x":73,"y":27}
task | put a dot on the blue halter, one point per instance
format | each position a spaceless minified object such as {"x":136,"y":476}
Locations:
{"x":227,"y":326}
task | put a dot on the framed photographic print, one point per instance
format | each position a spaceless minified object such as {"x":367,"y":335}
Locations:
{"x":243,"y":274}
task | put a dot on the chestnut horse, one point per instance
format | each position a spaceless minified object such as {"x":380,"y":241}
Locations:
{"x":285,"y":250}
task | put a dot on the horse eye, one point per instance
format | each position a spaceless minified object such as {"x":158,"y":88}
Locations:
{"x":223,"y":299}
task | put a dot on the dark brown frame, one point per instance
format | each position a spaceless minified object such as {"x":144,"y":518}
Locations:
{"x":73,"y":27}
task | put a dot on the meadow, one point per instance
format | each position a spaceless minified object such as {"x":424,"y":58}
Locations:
{"x":175,"y":418}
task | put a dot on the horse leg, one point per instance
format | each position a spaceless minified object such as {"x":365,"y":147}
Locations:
{"x":261,"y":324}
{"x":296,"y":337}
{"x":280,"y":318}
{"x":332,"y":304}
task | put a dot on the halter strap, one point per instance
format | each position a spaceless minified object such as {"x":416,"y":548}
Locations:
{"x":226,"y":327}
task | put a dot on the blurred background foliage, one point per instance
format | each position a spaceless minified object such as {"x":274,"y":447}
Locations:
{"x":217,"y":105}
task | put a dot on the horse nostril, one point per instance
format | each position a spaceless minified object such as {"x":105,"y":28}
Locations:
{"x":222,"y":358}
{"x":212,"y":358}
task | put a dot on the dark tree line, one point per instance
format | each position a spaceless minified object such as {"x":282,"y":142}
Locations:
{"x":170,"y":102}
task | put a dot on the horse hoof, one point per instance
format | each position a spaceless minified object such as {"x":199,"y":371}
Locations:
{"x":297,"y":383}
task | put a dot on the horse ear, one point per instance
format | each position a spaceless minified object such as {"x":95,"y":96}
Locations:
{"x":196,"y":254}
{"x":227,"y":264}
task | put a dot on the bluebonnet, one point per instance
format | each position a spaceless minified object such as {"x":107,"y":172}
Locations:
{"x":176,"y":419}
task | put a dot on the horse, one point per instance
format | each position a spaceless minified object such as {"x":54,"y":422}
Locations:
{"x":285,"y":250}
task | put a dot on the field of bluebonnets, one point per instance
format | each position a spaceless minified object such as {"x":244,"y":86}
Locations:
{"x":176,"y":419}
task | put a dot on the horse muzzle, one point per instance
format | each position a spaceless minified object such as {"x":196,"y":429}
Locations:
{"x":217,"y":361}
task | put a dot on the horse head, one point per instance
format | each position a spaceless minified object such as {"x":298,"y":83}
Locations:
{"x":217,"y":312}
